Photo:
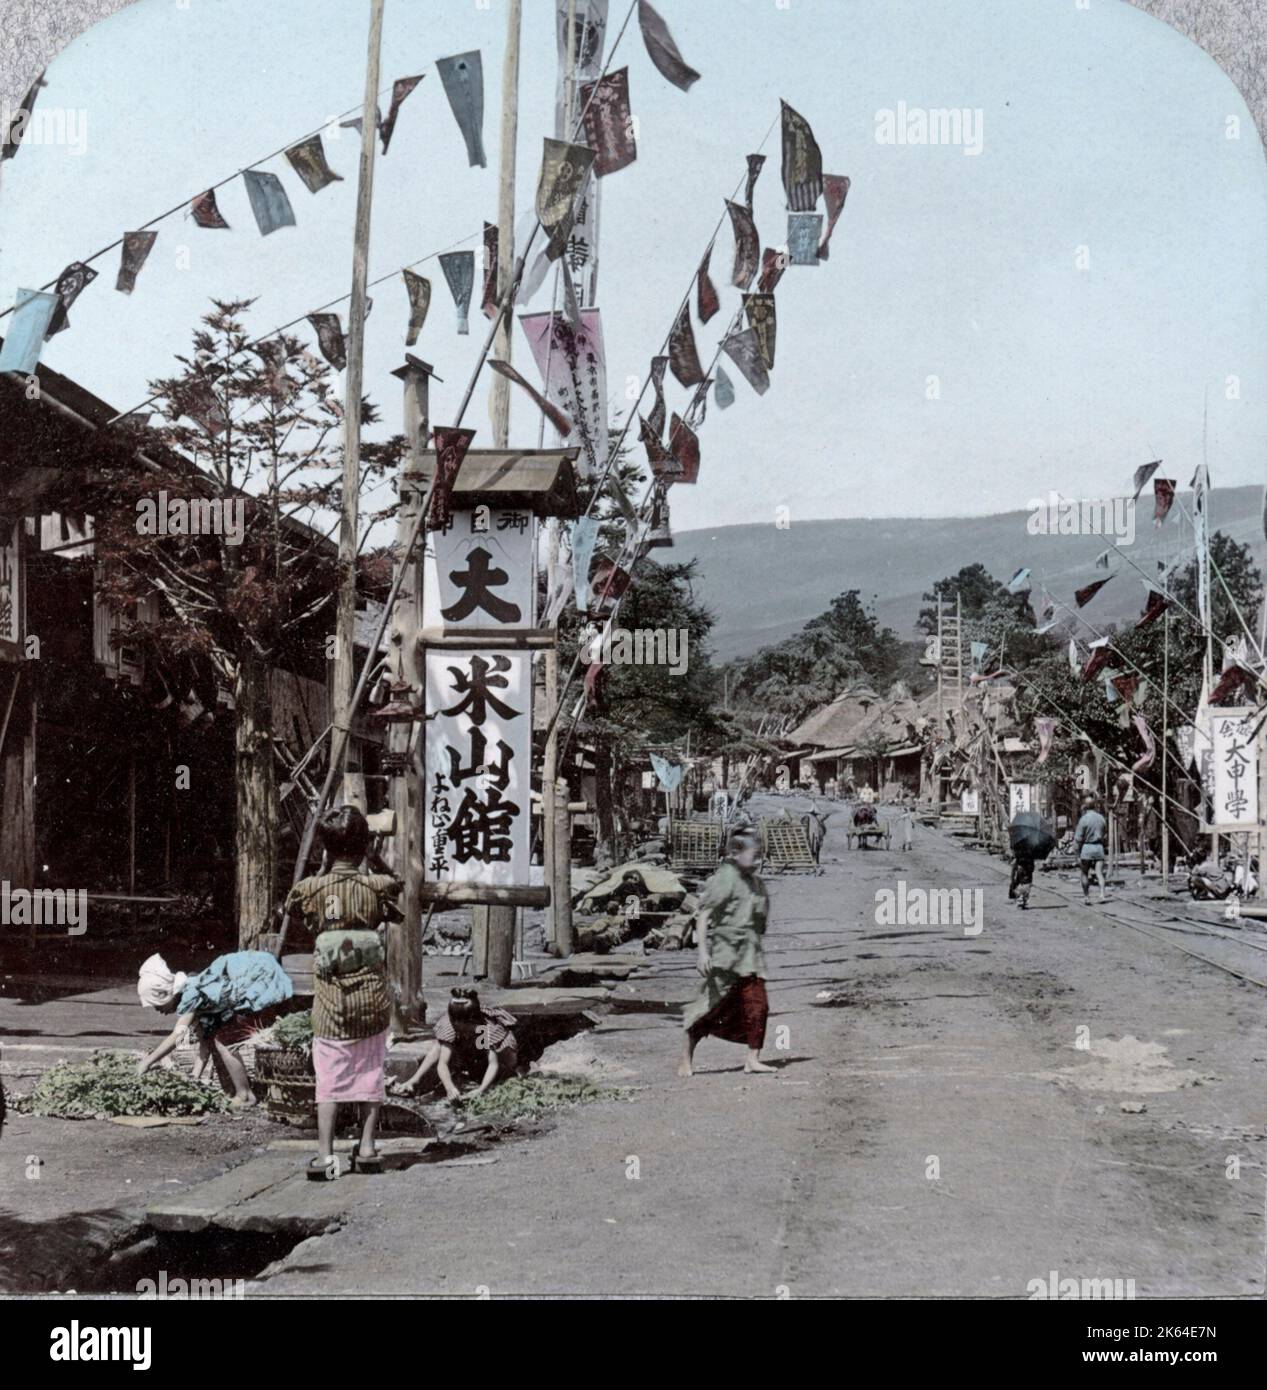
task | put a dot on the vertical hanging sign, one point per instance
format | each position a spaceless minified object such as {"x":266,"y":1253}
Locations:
{"x":1234,"y":760}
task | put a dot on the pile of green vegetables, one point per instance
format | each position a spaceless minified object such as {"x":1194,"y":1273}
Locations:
{"x":519,"y":1097}
{"x":107,"y":1084}
{"x":293,"y":1032}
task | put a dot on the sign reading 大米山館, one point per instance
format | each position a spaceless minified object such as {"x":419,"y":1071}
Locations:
{"x":479,"y":571}
{"x":476,"y":805}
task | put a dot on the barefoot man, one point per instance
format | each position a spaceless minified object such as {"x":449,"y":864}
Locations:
{"x":731,"y":1003}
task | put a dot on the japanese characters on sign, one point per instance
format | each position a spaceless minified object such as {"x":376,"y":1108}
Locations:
{"x":479,"y":571}
{"x":1022,"y":796}
{"x":573,"y":365}
{"x":10,"y":587}
{"x":476,"y":804}
{"x":1234,"y":768}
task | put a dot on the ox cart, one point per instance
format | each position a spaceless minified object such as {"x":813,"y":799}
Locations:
{"x":867,"y":828}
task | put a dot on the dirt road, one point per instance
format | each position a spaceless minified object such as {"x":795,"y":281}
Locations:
{"x":963,"y":1114}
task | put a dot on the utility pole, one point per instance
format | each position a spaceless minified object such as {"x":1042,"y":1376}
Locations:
{"x":345,"y":617}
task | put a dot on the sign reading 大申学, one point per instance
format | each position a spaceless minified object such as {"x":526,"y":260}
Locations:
{"x":476,"y":804}
{"x":1234,"y":770}
{"x":479,"y":571}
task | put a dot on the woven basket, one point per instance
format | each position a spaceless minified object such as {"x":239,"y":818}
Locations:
{"x":289,"y":1083}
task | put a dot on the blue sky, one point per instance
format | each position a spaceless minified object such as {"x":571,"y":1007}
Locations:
{"x":1103,"y":129}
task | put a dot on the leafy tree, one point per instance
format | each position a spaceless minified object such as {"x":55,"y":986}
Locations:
{"x":255,"y":426}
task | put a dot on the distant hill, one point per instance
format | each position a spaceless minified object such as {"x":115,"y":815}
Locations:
{"x":764,"y":584}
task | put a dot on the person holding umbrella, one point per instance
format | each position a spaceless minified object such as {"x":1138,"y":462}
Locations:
{"x":1031,"y":839}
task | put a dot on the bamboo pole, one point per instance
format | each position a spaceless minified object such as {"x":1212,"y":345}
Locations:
{"x":345,"y":618}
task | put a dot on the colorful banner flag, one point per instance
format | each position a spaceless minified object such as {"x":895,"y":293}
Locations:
{"x":1142,"y":475}
{"x":28,"y":324}
{"x":1126,"y":685}
{"x":669,"y":775}
{"x":609,"y":123}
{"x":551,"y":411}
{"x":773,"y":264}
{"x":661,"y":461}
{"x":573,"y":367}
{"x":756,"y":162}
{"x":136,"y":249}
{"x":1164,"y":499}
{"x":744,"y":350}
{"x":584,"y":537}
{"x":761,"y":319}
{"x":1099,"y":659}
{"x":418,"y":289}
{"x":747,"y":245}
{"x":269,"y":202}
{"x":401,"y":88}
{"x":656,"y":415}
{"x":71,"y":283}
{"x":661,"y":49}
{"x":463,"y":79}
{"x":724,"y":390}
{"x":564,"y":168}
{"x":803,"y":232}
{"x":1046,"y":730}
{"x":206,"y":212}
{"x":1145,"y":761}
{"x":273,"y":354}
{"x":802,"y":162}
{"x":330,"y":339}
{"x":835,"y":191}
{"x":308,"y":160}
{"x":1227,"y":689}
{"x":459,"y":272}
{"x":684,"y":446}
{"x":1157,"y":605}
{"x":15,"y":126}
{"x":683,"y":357}
{"x":1084,"y":596}
{"x":1019,"y":582}
{"x":491,"y":240}
{"x":450,"y":444}
{"x":707,"y":301}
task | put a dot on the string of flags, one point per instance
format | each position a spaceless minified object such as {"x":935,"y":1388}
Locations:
{"x":271,"y":207}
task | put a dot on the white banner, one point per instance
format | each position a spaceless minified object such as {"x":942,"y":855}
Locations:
{"x":1234,"y":760}
{"x":480,"y":572}
{"x":1022,"y":796}
{"x":10,"y":583}
{"x":476,"y":805}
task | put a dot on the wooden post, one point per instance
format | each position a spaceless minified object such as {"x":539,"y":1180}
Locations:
{"x":345,"y":619}
{"x":561,"y":887}
{"x":496,"y":924}
{"x":499,"y":396}
{"x":404,"y":944}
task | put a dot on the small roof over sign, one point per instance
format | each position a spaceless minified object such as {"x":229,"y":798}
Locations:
{"x":542,"y":481}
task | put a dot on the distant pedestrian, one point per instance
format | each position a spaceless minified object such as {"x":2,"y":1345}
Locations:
{"x":1022,"y":873}
{"x":906,"y":827}
{"x":1088,"y":844}
{"x":730,"y":924}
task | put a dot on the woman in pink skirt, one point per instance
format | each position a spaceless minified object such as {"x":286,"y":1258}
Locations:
{"x":351,"y":1007}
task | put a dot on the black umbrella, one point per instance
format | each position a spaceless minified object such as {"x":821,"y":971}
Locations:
{"x":1029,"y":828}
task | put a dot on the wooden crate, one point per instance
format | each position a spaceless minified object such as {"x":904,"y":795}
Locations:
{"x":695,"y":844}
{"x":785,"y":845}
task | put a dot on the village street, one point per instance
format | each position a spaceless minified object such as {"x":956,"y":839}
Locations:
{"x":816,"y":1181}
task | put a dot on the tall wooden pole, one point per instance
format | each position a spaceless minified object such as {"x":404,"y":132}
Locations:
{"x":404,"y":944}
{"x":493,"y":928}
{"x":345,"y":618}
